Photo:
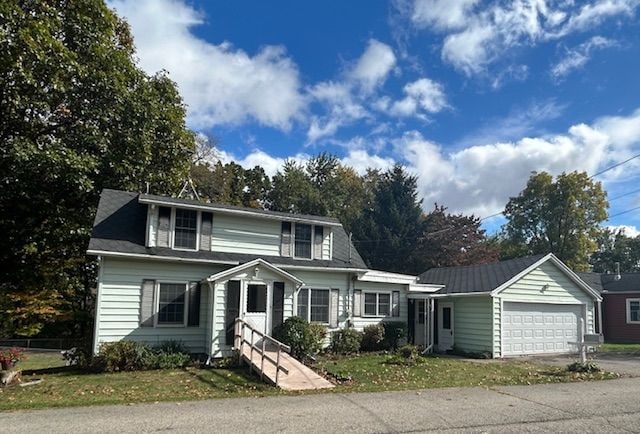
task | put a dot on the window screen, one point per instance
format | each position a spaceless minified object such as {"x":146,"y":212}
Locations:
{"x":171,"y":303}
{"x":186,"y":229}
{"x":303,"y":241}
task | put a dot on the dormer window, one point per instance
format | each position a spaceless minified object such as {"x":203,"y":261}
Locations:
{"x":186,"y":229}
{"x":302,"y":247}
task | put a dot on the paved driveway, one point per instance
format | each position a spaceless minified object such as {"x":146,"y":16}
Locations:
{"x":601,"y":406}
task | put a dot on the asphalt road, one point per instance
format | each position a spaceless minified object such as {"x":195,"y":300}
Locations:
{"x":601,"y":406}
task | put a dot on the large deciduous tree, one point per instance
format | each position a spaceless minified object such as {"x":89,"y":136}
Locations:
{"x":616,"y":247}
{"x":560,"y":216}
{"x":76,"y":115}
{"x":448,"y":240}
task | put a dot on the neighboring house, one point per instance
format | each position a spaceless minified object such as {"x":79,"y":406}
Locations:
{"x":620,"y":306}
{"x":176,"y":269}
{"x":523,"y":306}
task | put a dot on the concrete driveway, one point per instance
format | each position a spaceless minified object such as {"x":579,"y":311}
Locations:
{"x":601,"y":406}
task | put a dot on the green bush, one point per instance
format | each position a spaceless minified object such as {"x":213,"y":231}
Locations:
{"x":124,"y":356}
{"x":373,"y":338}
{"x":163,"y":360}
{"x":346,"y":341}
{"x":296,"y":333}
{"x":172,"y":347}
{"x":583,"y":367}
{"x":394,"y":332}
{"x":318,"y":334}
{"x":407,"y":355}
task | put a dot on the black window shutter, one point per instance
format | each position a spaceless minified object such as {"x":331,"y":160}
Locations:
{"x":233,"y":309}
{"x":278,"y":304}
{"x":194,"y":304}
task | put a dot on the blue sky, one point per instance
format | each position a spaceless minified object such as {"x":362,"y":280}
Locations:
{"x":471,"y":96}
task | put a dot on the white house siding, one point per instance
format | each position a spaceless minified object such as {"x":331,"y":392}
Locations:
{"x":472,"y":323}
{"x":362,"y":321}
{"x":561,"y":290}
{"x":219,"y":346}
{"x":119,"y":301}
{"x":237,"y":234}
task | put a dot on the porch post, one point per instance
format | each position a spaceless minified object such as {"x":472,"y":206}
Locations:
{"x":600,"y":328}
{"x":431,"y":323}
{"x":424,"y":320}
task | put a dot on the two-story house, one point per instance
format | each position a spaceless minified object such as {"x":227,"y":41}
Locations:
{"x":178,"y":269}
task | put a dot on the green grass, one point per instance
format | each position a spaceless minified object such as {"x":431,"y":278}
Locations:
{"x":373,"y":373}
{"x":66,"y":386}
{"x":620,"y":348}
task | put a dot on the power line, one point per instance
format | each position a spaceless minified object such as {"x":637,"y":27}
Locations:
{"x":614,"y":166}
{"x":624,"y":195}
{"x":623,"y":212}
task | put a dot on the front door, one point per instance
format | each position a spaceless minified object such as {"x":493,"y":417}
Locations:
{"x":256,"y":307}
{"x":445,"y":326}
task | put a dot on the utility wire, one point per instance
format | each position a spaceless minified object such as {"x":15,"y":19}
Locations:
{"x":614,"y":166}
{"x":624,"y":195}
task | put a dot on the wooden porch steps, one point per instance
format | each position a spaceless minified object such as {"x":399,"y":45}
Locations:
{"x":295,"y":376}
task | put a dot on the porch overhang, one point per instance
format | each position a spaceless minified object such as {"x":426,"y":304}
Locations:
{"x":256,"y":263}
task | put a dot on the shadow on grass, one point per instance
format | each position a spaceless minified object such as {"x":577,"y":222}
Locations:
{"x":56,"y":370}
{"x":238,"y":378}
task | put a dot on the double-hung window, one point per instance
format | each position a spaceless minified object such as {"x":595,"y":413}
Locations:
{"x":186,"y":229}
{"x":633,"y":310}
{"x":302,"y":243}
{"x":377,"y":304}
{"x":172,"y":304}
{"x":313,"y":305}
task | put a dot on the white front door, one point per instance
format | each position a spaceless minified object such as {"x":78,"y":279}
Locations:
{"x":256,"y":307}
{"x":445,"y":326}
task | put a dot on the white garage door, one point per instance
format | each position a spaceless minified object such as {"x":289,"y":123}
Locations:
{"x":538,"y":328}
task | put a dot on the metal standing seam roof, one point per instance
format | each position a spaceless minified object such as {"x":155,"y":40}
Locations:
{"x":120,"y":227}
{"x":477,"y":278}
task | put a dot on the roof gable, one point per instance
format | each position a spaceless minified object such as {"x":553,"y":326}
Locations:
{"x":251,"y":264}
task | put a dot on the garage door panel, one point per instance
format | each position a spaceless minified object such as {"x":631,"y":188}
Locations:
{"x":539,"y":328}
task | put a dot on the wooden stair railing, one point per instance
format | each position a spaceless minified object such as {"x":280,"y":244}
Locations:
{"x":240,"y":340}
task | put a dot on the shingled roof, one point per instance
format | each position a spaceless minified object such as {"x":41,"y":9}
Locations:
{"x":477,"y":278}
{"x":628,"y":282}
{"x":120,"y":226}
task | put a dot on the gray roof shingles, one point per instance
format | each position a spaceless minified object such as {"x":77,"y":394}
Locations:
{"x":477,"y":278}
{"x":120,"y":222}
{"x":628,"y":282}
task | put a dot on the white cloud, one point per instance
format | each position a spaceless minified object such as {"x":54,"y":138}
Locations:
{"x":220,"y":84}
{"x":373,"y":67}
{"x":344,"y":101}
{"x":442,"y":14}
{"x":628,"y":230}
{"x":476,"y":37}
{"x":423,"y":95}
{"x":577,"y":57}
{"x":361,"y":160}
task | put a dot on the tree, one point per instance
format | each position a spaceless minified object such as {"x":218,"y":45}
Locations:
{"x":562,"y":217}
{"x":616,"y":247}
{"x":77,"y":116}
{"x":387,"y":231}
{"x":451,"y":240}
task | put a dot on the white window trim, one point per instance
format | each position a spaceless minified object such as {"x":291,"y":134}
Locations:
{"x":628,"y":302}
{"x":156,"y":308}
{"x":293,"y":241}
{"x":173,"y":231}
{"x":377,"y":294}
{"x":309,"y":289}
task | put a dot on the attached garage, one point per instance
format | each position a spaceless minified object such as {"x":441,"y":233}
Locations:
{"x":539,"y":328}
{"x":525,"y":306}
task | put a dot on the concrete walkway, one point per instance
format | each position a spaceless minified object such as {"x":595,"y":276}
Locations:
{"x":601,"y":406}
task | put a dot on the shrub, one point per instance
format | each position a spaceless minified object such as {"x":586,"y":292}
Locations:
{"x":346,"y":341}
{"x":394,"y":332}
{"x":77,"y":356}
{"x":373,"y":338}
{"x":172,"y":347}
{"x":124,"y":356}
{"x":164,"y":360}
{"x":583,"y":367}
{"x":296,"y":333}
{"x":9,"y":357}
{"x":318,"y":334}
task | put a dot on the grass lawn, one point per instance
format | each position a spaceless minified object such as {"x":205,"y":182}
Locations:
{"x":620,"y":348}
{"x":373,"y":373}
{"x":64,"y":387}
